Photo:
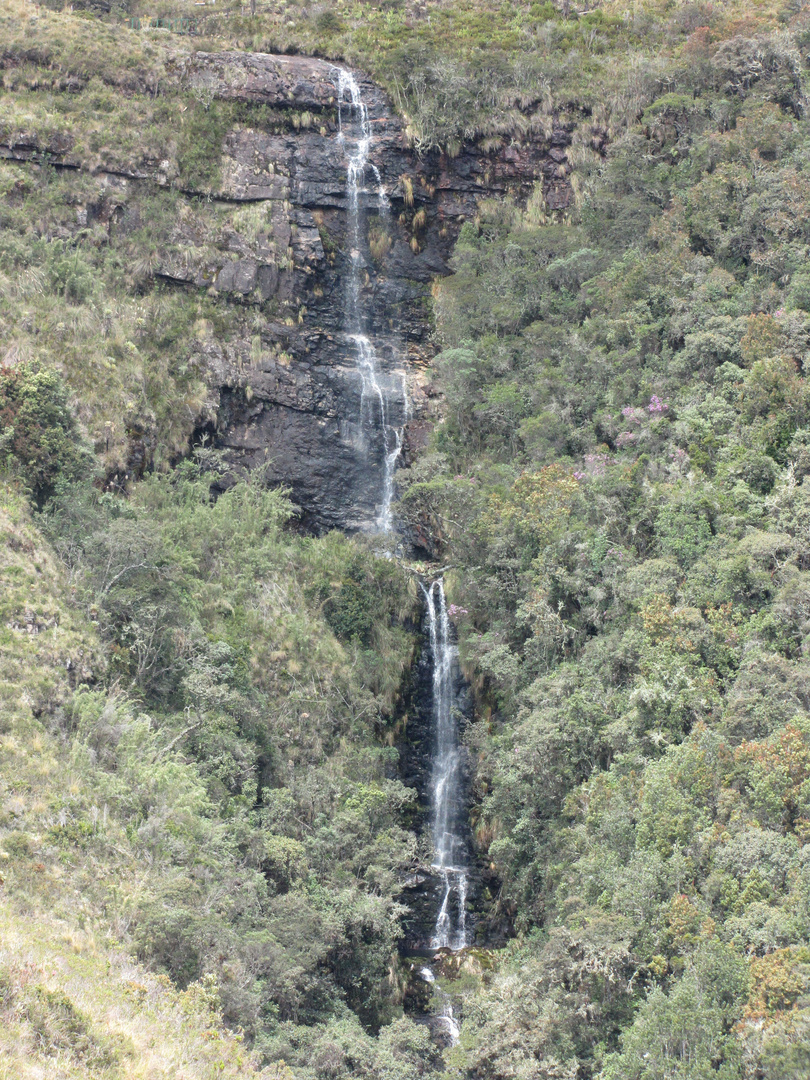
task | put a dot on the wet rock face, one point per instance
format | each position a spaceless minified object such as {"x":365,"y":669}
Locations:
{"x":424,"y":887}
{"x":304,"y":409}
{"x":284,"y":389}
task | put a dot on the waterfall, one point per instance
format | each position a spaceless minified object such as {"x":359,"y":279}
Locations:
{"x":444,"y":1015}
{"x":384,"y":405}
{"x":447,"y":780}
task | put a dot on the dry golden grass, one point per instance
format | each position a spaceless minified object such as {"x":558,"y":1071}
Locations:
{"x":762,"y":12}
{"x":72,"y":45}
{"x":72,"y":1009}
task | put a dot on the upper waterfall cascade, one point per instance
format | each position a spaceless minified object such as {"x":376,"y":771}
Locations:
{"x":448,"y":813}
{"x":384,"y":405}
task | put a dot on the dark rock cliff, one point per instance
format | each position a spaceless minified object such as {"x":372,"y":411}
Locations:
{"x":270,"y":239}
{"x":423,"y":887}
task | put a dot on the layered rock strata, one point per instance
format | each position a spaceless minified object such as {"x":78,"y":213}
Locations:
{"x":271,"y":238}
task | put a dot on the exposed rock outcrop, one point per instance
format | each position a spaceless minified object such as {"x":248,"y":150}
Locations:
{"x":272,"y":238}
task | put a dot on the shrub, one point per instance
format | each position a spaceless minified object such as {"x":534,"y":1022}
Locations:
{"x":39,"y":438}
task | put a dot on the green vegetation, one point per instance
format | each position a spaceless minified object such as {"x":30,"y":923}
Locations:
{"x":457,"y":69}
{"x":199,"y":707}
{"x":221,"y":753}
{"x":621,"y":485}
{"x":39,"y":433}
{"x":70,"y":998}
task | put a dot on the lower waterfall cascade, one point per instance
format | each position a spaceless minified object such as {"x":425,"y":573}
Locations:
{"x":444,"y":1016}
{"x":451,"y":858}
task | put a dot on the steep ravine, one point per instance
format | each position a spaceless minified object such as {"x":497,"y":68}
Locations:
{"x":440,"y":918}
{"x":322,"y":236}
{"x":376,"y":428}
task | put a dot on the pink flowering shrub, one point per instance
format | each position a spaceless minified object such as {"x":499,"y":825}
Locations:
{"x":596,"y":464}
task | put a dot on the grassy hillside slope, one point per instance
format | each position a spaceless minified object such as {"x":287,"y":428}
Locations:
{"x":196,"y":769}
{"x":73,"y":1003}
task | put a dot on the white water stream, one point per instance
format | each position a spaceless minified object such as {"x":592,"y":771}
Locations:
{"x":384,"y":411}
{"x":384,"y":405}
{"x":447,"y":780}
{"x":444,"y":1016}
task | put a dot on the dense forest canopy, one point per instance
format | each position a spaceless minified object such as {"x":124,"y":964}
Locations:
{"x":200,"y":706}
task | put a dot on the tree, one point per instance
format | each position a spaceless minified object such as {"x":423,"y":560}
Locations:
{"x":39,"y":438}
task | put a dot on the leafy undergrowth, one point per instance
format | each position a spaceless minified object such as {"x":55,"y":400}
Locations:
{"x":196,"y":768}
{"x":622,"y":485}
{"x":73,"y":1004}
{"x":75,"y":1007}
